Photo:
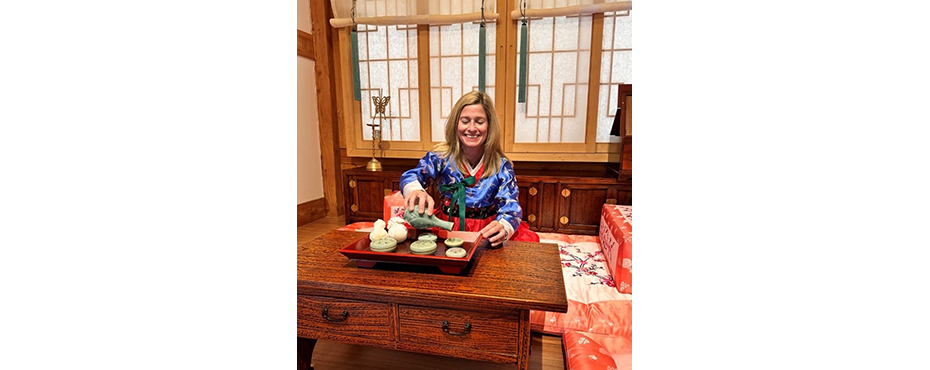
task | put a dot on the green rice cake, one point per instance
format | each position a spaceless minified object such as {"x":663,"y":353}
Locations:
{"x":454,"y":242}
{"x":427,"y":236}
{"x":385,"y":244}
{"x":456,"y":252}
{"x":423,"y":247}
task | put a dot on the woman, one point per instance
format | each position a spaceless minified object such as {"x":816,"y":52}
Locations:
{"x":470,"y":168}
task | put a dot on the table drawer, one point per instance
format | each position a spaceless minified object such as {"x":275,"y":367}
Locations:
{"x":489,"y":336}
{"x":356,"y":320}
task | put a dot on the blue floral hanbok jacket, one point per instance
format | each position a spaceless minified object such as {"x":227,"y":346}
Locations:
{"x":498,"y":191}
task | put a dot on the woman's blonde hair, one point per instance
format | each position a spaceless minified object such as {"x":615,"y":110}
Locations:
{"x":452,"y":148}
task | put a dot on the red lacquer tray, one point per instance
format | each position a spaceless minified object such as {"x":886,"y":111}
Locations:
{"x":365,"y":257}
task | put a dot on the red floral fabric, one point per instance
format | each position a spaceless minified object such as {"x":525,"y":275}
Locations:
{"x":594,"y":304}
{"x":394,"y":205}
{"x":587,"y":351}
{"x":616,"y":237}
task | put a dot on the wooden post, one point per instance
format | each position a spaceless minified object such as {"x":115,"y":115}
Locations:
{"x":320,"y":13}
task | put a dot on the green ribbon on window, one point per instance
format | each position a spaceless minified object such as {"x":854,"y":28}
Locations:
{"x":481,"y":57}
{"x":458,"y":196}
{"x":356,"y":81}
{"x":524,"y":61}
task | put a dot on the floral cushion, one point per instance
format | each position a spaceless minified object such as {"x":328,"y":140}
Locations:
{"x":594,"y":304}
{"x":616,"y":237}
{"x":394,"y":206}
{"x":587,"y":351}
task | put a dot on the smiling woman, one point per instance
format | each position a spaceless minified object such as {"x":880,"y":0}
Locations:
{"x":476,"y":180}
{"x":472,"y":129}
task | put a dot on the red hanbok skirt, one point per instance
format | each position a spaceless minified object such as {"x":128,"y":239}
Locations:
{"x":522,"y":233}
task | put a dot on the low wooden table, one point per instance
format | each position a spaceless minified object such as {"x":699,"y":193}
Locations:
{"x":481,"y":314}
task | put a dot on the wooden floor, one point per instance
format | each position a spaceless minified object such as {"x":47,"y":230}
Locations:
{"x":546,"y":353}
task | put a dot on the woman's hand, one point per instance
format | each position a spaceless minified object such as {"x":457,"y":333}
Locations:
{"x":495,"y":233}
{"x":418,"y":201}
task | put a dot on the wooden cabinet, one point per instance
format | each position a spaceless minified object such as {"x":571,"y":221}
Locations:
{"x":529,"y":201}
{"x":571,"y":202}
{"x":565,"y":202}
{"x":625,"y":104}
{"x":365,"y":193}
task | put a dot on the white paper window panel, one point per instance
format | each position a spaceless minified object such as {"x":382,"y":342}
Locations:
{"x":375,"y":8}
{"x":388,"y":67}
{"x":461,"y":6}
{"x":557,"y":81}
{"x":453,"y":56}
{"x":616,"y":68}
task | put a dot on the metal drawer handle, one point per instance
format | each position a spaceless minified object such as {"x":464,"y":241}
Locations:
{"x":445,"y":328}
{"x":345,"y":315}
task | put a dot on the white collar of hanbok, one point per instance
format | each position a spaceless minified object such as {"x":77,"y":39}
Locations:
{"x":472,"y":170}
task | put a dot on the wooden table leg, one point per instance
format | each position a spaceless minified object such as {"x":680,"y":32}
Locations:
{"x":305,"y":353}
{"x":523,"y":347}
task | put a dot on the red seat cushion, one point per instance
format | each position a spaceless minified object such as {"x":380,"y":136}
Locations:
{"x":586,"y":351}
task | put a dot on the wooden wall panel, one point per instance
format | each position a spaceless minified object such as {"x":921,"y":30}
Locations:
{"x":305,"y":45}
{"x":310,"y":211}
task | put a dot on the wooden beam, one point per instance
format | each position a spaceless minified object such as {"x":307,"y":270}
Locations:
{"x":320,"y":13}
{"x":419,"y":19}
{"x":347,"y":109}
{"x":340,"y":59}
{"x":594,"y":81}
{"x":305,"y":45}
{"x":426,"y":125}
{"x":583,"y":9}
{"x":506,"y":91}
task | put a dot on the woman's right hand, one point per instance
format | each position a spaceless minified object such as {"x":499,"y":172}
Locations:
{"x":418,"y":201}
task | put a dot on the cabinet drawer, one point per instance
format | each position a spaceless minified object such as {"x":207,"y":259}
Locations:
{"x":492,"y":337}
{"x":357,"y":320}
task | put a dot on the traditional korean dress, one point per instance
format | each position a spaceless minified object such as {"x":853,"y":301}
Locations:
{"x":485,"y":199}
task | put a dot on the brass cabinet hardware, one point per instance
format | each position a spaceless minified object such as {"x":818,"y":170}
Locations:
{"x":611,"y":201}
{"x":345,"y":315}
{"x":445,"y":328}
{"x":566,"y":193}
{"x":564,"y":220}
{"x":531,"y":218}
{"x":387,"y":192}
{"x":352,"y":184}
{"x":533,"y":190}
{"x":354,"y":208}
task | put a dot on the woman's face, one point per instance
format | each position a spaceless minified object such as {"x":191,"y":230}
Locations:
{"x":473,"y":126}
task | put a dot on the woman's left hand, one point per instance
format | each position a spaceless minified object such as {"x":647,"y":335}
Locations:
{"x":495,"y":233}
